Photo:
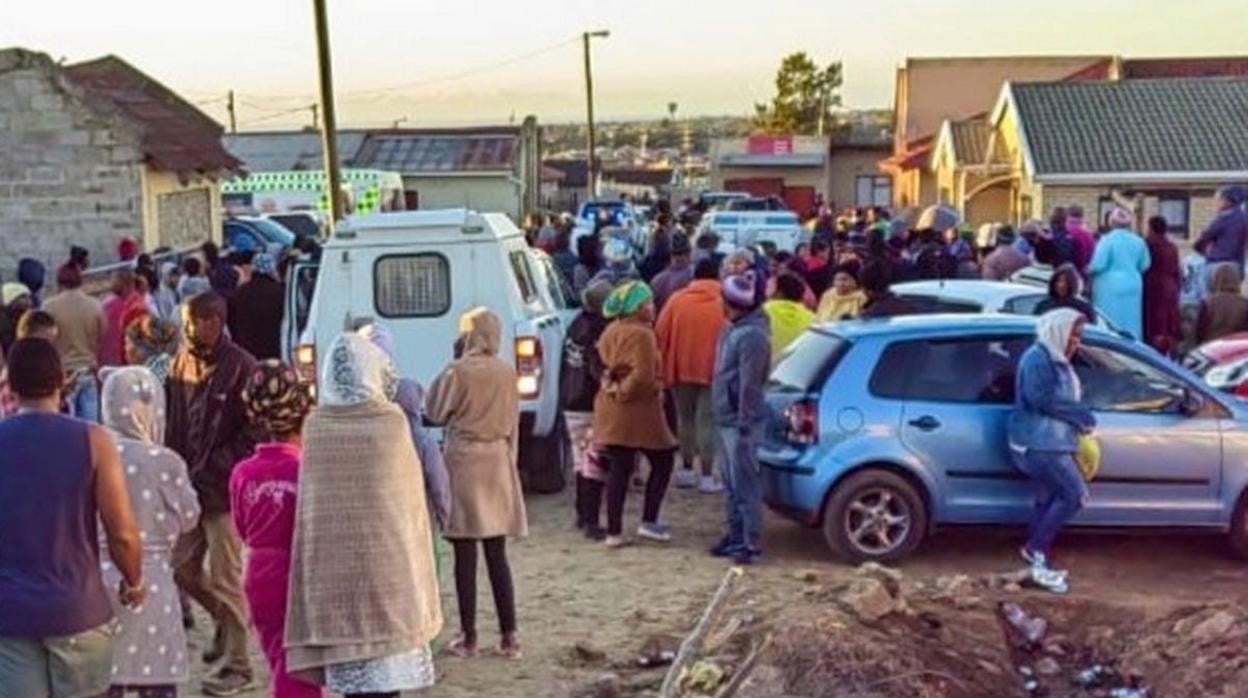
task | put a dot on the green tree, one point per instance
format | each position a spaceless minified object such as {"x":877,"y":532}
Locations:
{"x":805,"y":97}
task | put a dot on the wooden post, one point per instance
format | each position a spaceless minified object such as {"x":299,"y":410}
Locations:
{"x":329,"y":121}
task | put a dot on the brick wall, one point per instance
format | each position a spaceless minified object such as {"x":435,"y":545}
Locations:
{"x":67,"y":176}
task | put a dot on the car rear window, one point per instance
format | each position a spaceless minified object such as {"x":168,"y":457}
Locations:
{"x":1024,"y":305}
{"x":412,"y":285}
{"x":930,"y":305}
{"x":807,"y":362}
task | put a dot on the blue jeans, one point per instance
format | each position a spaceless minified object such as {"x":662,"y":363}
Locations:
{"x":741,"y":482}
{"x":1059,"y":490}
{"x":83,"y":397}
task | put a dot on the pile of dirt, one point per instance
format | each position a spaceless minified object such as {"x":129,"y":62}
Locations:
{"x":881,"y":635}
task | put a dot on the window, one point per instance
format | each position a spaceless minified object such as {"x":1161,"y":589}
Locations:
{"x":807,"y":363}
{"x":1117,"y":382}
{"x":524,"y":276}
{"x":928,"y":305}
{"x":975,"y":370}
{"x":1024,"y":305}
{"x":560,"y":290}
{"x":305,"y":287}
{"x":1174,"y":208}
{"x":1025,"y":208}
{"x":872,"y":190}
{"x":1104,"y":207}
{"x":412,"y":285}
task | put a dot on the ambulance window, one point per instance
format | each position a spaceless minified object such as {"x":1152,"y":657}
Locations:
{"x":524,"y":276}
{"x":412,"y":285}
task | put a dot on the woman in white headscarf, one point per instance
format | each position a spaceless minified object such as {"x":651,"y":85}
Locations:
{"x":363,"y":602}
{"x":150,"y":649}
{"x":1044,"y":432}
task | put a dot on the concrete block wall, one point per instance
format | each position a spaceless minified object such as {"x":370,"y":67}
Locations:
{"x":67,"y":176}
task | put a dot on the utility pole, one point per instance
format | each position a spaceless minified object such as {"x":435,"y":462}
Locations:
{"x":229,"y":106}
{"x":591,"y":170}
{"x":329,"y":129}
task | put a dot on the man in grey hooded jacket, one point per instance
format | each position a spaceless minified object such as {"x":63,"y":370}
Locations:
{"x":742,"y":362}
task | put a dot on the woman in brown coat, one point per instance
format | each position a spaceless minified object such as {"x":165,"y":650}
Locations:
{"x":476,"y":398}
{"x":628,"y":412}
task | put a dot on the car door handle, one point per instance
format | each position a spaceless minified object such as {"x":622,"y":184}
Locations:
{"x":925,"y":423}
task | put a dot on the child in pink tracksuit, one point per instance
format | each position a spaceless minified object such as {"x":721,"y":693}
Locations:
{"x":262,"y":500}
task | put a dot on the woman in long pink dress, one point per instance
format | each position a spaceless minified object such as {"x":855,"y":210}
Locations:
{"x":262,"y":499}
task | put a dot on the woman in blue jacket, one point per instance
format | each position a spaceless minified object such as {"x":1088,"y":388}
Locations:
{"x":1044,"y":431}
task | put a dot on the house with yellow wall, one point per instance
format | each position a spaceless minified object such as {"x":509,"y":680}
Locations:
{"x":94,"y":152}
{"x":1157,"y":146}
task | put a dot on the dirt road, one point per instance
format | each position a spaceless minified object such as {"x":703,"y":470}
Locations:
{"x":571,"y":591}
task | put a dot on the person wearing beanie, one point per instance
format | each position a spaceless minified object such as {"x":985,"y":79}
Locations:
{"x":127,"y":249}
{"x":742,"y":362}
{"x":1005,"y":259}
{"x":257,"y":310}
{"x":1117,"y":272}
{"x":580,"y":375}
{"x":80,"y":326}
{"x":628,"y":410}
{"x":677,"y":275}
{"x":1226,"y":238}
{"x":688,"y":331}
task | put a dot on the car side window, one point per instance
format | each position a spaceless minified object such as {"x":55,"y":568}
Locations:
{"x":1113,"y":381}
{"x":962,"y":370}
{"x":1024,"y":305}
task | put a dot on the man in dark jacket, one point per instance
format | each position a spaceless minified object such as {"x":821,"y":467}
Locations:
{"x":1224,"y":241}
{"x":874,"y":280}
{"x":579,"y":377}
{"x":258,"y":305}
{"x":207,"y":426}
{"x":742,"y":361}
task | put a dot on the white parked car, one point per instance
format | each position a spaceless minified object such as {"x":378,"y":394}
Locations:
{"x":417,"y":272}
{"x":737,"y":229}
{"x":974,"y":296}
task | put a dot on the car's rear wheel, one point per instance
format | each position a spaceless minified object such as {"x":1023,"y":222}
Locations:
{"x":545,"y":460}
{"x":1239,"y":528}
{"x":874,"y":516}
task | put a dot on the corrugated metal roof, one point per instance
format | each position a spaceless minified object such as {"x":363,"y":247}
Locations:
{"x":281,"y":151}
{"x":175,"y":136}
{"x":432,"y":152}
{"x":1166,"y":125}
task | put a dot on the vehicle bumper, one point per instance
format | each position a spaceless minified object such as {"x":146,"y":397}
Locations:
{"x":789,"y":485}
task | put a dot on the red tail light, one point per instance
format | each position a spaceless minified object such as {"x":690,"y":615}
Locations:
{"x":529,"y":367}
{"x":802,"y":420}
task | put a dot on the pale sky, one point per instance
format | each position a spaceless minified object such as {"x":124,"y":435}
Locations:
{"x":474,"y":61}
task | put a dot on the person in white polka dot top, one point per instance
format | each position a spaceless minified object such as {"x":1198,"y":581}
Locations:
{"x":150,"y":653}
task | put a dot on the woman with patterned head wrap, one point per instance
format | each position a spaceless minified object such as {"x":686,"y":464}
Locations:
{"x":364,"y":602}
{"x":152,"y":342}
{"x":263,"y":492}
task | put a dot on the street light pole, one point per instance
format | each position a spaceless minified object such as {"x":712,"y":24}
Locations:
{"x":329,"y":120}
{"x":591,"y":170}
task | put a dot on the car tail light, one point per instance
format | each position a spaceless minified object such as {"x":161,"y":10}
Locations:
{"x":529,"y":367}
{"x":802,"y":422}
{"x":305,"y":363}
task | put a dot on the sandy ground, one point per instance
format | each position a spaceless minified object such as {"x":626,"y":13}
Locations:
{"x":572,"y":591}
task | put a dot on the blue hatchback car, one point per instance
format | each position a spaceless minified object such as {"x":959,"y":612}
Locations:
{"x":884,"y":429}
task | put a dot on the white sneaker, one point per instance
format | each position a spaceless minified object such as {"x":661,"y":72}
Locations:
{"x":686,"y":479}
{"x":1050,"y":580}
{"x":710,"y":484}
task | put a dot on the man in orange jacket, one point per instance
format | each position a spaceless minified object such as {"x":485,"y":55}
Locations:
{"x":688,"y":332}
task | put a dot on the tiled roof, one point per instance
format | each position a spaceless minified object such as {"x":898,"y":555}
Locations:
{"x":1138,"y":68}
{"x":283,"y":151}
{"x":916,"y":154}
{"x":175,"y":136}
{"x":1167,"y":125}
{"x":970,"y":140}
{"x":440,"y":151}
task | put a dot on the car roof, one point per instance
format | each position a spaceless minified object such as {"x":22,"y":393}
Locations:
{"x":913,"y":326}
{"x":969,"y":289}
{"x":436,"y":226}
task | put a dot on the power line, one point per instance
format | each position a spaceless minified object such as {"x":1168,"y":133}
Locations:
{"x":462,"y":74}
{"x":275,"y":115}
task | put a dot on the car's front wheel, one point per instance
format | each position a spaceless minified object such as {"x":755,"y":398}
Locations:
{"x":874,"y":516}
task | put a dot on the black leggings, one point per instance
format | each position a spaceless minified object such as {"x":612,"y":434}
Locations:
{"x":621,"y":462}
{"x":588,"y":502}
{"x":391,"y":694}
{"x":500,"y":582}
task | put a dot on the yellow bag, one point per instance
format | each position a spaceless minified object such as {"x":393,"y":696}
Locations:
{"x":1088,"y":456}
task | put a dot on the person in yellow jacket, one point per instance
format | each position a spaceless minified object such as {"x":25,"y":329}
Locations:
{"x":789,"y":318}
{"x":843,"y":301}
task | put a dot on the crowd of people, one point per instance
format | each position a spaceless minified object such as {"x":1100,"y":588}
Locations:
{"x":183,"y":463}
